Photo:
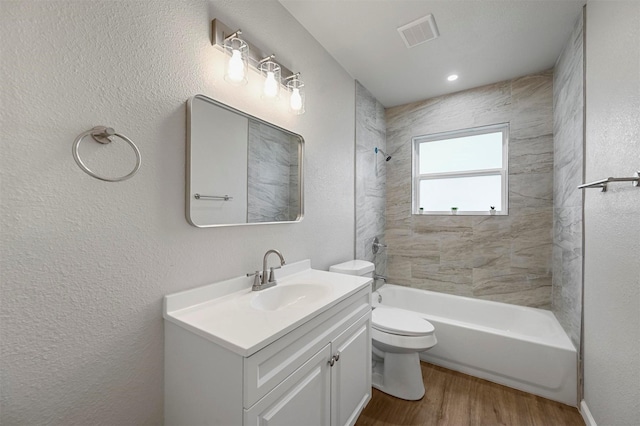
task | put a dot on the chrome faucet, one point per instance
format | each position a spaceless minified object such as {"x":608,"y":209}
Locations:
{"x":261,"y":281}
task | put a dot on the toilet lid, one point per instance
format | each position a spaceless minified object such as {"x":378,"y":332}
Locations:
{"x":400,"y":322}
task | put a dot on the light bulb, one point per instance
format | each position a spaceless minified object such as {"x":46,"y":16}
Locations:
{"x":235,"y":71}
{"x":270,"y":85}
{"x":296,"y":100}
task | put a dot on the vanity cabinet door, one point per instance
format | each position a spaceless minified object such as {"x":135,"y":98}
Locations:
{"x":303,"y":398}
{"x":351,"y":373}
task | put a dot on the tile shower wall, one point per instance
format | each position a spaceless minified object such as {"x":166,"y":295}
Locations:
{"x":273,"y":193}
{"x":371,"y":172}
{"x":568,"y":165}
{"x":501,"y":258}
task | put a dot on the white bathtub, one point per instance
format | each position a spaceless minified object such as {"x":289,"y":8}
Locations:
{"x":523,"y":348}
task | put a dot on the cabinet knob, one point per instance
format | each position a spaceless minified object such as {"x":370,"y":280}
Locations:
{"x":337,"y":356}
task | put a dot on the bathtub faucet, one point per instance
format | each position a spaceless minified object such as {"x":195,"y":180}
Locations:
{"x":377,"y":245}
{"x":380,"y":277}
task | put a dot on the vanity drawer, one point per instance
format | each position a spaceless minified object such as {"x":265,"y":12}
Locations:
{"x":265,"y":369}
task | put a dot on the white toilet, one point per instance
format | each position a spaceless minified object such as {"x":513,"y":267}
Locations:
{"x":398,"y":336}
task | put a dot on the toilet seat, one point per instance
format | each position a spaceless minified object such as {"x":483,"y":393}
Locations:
{"x":400,"y":322}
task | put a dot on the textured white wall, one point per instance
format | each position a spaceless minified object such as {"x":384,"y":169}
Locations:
{"x":612,"y":219}
{"x":85,"y":263}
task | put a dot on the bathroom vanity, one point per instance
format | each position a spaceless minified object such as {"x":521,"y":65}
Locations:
{"x":297,"y":353}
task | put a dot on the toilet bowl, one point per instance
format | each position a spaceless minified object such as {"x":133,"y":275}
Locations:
{"x":397,"y":337}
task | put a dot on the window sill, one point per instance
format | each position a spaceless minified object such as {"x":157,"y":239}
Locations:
{"x":459,"y":213}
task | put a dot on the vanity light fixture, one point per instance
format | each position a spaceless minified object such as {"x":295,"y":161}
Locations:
{"x":238,"y":63}
{"x":296,"y":99}
{"x":271,"y":72}
{"x":244,"y":55}
{"x":452,"y":77}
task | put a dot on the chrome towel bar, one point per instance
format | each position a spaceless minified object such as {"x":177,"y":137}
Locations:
{"x":602,"y":183}
{"x":212,"y":197}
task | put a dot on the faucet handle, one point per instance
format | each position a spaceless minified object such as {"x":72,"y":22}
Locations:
{"x":272,"y":276}
{"x":256,"y":280}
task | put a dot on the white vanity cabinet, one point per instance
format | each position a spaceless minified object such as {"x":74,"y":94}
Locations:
{"x":330,"y":388}
{"x":318,"y":373}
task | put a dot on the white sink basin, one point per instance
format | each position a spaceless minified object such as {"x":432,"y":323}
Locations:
{"x":229,"y":314}
{"x":281,"y":297}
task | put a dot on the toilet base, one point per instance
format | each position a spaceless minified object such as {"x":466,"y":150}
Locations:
{"x":399,"y":375}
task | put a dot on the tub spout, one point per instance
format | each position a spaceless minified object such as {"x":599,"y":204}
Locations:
{"x":380,"y":277}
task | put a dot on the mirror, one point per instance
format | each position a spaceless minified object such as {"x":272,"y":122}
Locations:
{"x":240,"y":169}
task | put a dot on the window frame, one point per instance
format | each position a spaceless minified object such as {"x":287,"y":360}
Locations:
{"x":416,"y":141}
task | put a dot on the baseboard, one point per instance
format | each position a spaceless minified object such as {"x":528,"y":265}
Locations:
{"x":586,"y":414}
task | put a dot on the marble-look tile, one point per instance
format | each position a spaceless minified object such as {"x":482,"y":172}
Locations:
{"x":537,"y":297}
{"x":530,"y":190}
{"x":531,"y":155}
{"x":474,"y":255}
{"x":567,"y":227}
{"x":568,"y":174}
{"x":436,"y":224}
{"x":567,"y":278}
{"x":452,"y":280}
{"x":456,"y":250}
{"x":399,"y":269}
{"x":531,"y":255}
{"x":568,"y":159}
{"x":532,"y":105}
{"x":532,"y":223}
{"x":491,"y":237}
{"x":476,"y":107}
{"x":408,"y":247}
{"x":398,"y":213}
{"x":492,"y":283}
{"x":370,"y":177}
{"x":567,"y":295}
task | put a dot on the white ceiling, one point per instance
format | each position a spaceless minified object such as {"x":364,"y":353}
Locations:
{"x":482,"y":41}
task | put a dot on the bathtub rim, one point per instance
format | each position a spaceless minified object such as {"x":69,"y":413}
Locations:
{"x":560,"y":340}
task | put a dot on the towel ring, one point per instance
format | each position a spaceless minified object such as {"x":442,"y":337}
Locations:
{"x":101,"y":134}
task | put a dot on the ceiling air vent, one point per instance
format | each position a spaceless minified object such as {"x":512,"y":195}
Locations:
{"x":419,"y":31}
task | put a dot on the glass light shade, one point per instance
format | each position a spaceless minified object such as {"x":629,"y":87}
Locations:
{"x":296,"y":99}
{"x":271,"y":72}
{"x":238,"y":63}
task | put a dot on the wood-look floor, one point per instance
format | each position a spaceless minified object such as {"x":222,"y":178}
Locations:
{"x":454,"y":398}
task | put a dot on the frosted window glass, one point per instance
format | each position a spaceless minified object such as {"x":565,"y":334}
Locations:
{"x":476,"y":193}
{"x":476,"y":152}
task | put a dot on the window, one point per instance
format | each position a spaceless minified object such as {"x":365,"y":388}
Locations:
{"x":461,"y":172}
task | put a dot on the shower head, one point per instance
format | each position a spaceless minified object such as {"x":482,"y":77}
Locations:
{"x":387,"y":156}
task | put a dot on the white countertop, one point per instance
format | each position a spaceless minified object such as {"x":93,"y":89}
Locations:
{"x":222,"y":312}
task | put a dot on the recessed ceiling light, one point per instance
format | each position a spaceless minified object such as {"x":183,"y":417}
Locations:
{"x":452,"y":77}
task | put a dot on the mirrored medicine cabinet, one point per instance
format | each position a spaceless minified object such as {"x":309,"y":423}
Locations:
{"x":240,"y":169}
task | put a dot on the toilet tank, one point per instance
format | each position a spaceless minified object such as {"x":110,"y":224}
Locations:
{"x":354,"y":267}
